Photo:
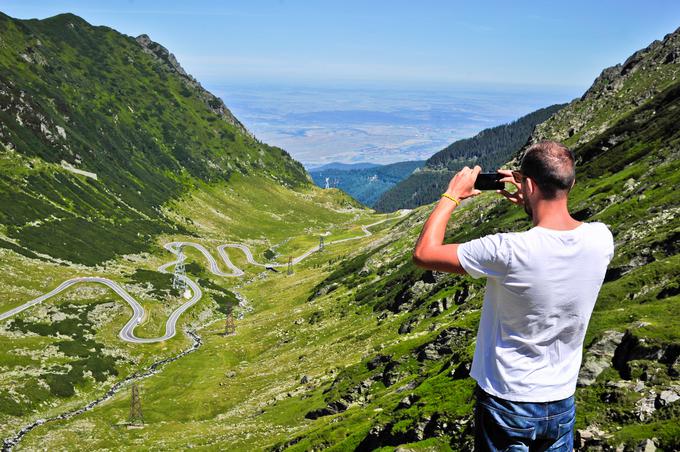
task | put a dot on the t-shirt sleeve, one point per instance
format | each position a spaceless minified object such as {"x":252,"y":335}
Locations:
{"x":609,"y":240}
{"x":487,"y":256}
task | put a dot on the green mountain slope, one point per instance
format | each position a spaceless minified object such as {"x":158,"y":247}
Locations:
{"x":108,"y":151}
{"x":367,"y":351}
{"x":365,"y":185}
{"x":358,"y":349}
{"x":490,"y":148}
{"x":91,"y":98}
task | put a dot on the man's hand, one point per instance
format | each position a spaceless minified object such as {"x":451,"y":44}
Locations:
{"x":462,"y":185}
{"x":516,"y":197}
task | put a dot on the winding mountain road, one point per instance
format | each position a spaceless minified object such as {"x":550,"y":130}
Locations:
{"x":127,"y":332}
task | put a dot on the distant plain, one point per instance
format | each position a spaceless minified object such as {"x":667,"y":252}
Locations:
{"x":319,"y":124}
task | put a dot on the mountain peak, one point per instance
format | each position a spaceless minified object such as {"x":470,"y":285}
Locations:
{"x":659,"y":52}
{"x":617,"y":91}
{"x":165,"y":57}
{"x":153,"y":48}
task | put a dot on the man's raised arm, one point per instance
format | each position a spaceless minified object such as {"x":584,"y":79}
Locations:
{"x":430,"y":251}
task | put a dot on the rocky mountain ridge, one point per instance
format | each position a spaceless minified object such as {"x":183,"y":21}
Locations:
{"x":213,"y":102}
{"x":617,"y":91}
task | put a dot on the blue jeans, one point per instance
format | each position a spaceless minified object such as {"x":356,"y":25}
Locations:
{"x":523,"y":426}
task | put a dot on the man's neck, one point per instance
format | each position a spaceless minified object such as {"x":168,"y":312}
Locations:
{"x":553,"y":214}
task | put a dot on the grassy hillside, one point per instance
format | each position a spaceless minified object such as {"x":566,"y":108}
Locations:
{"x":104,"y":103}
{"x":419,"y":390}
{"x":108,"y":150}
{"x":64,"y":352}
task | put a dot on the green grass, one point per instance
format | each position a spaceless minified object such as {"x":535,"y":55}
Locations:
{"x":153,"y":290}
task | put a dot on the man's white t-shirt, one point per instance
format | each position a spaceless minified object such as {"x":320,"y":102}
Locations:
{"x":541,"y":288}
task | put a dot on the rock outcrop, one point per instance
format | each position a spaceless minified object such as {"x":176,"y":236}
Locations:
{"x":599,"y":357}
{"x":618,"y":89}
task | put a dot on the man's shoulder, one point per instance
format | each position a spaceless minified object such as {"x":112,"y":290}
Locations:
{"x":601,"y":228}
{"x":599,"y":224}
{"x":500,"y":237}
{"x":594,"y":230}
{"x":597,"y":227}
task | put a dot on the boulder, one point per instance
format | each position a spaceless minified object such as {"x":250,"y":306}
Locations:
{"x":449,"y":339}
{"x":599,"y":357}
{"x":461,"y":295}
{"x":461,"y":371}
{"x":646,"y":446}
{"x":407,"y":401}
{"x":429,"y":352}
{"x":421,"y":288}
{"x":665,"y":398}
{"x":407,"y":387}
{"x":333,"y":408}
{"x":392,"y":374}
{"x":645,"y":407}
{"x":377,"y":361}
{"x":436,"y":308}
{"x":408,"y":325}
{"x":634,"y":348}
{"x":590,"y":438}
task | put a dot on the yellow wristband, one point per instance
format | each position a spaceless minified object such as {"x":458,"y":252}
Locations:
{"x":451,"y":198}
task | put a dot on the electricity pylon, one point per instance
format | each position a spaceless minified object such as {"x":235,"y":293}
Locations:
{"x":321,"y":243}
{"x":290,"y":265}
{"x":229,"y":326}
{"x":136,"y":417}
{"x":179,"y":281}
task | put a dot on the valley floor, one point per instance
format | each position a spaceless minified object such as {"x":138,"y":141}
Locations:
{"x":38,"y":381}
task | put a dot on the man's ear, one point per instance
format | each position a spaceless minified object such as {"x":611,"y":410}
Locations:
{"x":531,"y":186}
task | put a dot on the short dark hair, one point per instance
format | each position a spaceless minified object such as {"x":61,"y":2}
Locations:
{"x":551,"y":165}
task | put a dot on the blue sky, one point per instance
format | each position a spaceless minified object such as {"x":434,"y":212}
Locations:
{"x":394,"y":42}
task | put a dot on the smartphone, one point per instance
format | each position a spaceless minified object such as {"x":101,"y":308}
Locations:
{"x":489,"y":181}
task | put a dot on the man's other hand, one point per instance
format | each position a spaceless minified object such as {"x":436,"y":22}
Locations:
{"x":462,"y":185}
{"x":516,"y":197}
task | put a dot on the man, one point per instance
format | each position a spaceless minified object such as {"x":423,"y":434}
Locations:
{"x":541,"y":288}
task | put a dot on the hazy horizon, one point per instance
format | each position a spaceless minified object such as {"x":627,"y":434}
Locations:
{"x":358,"y":123}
